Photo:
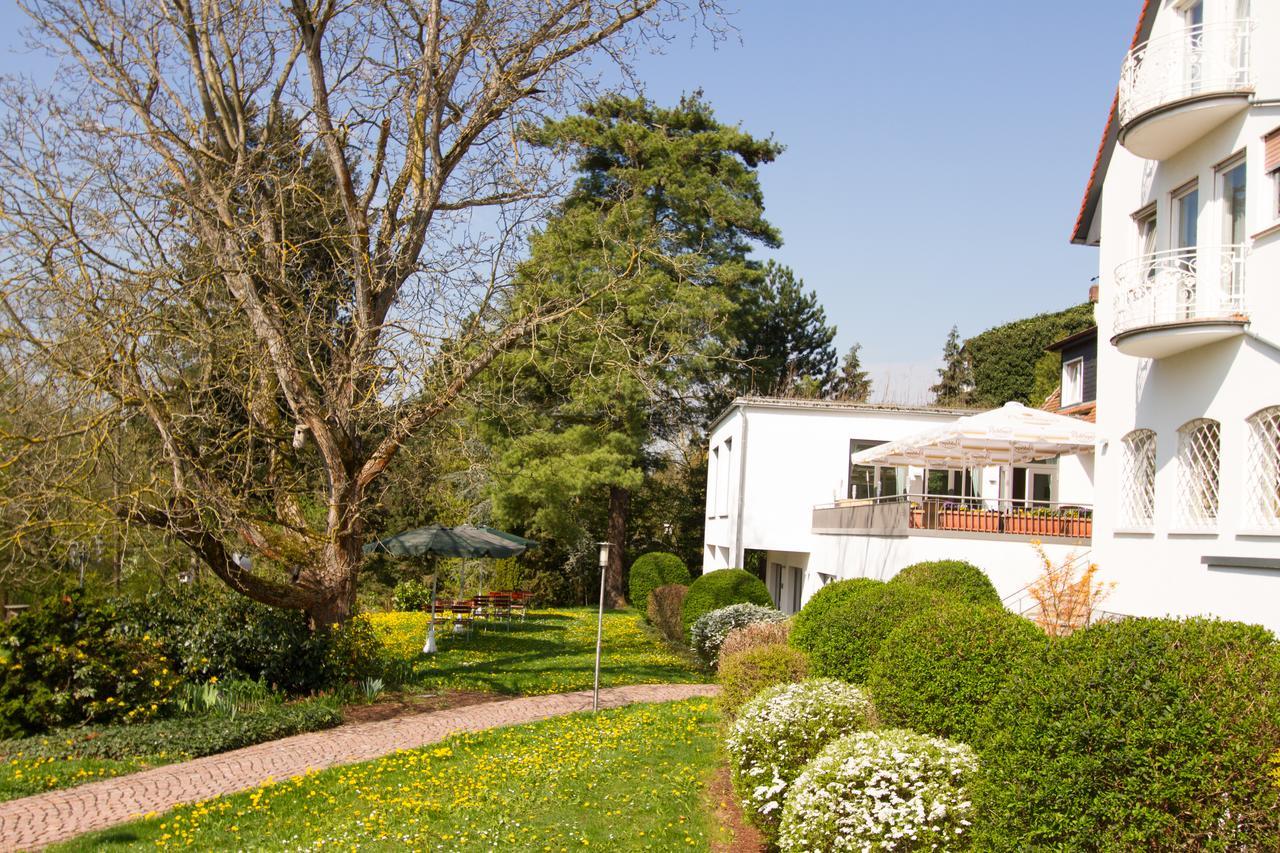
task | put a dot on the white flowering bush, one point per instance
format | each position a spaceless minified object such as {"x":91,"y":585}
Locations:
{"x":891,"y":789}
{"x":779,"y":731}
{"x":709,"y":631}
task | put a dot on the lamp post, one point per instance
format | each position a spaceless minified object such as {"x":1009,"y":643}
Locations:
{"x":604,"y":564}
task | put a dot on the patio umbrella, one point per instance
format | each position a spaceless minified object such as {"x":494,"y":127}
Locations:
{"x":464,"y":540}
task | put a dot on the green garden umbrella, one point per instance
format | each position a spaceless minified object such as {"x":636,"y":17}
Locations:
{"x":465,"y":540}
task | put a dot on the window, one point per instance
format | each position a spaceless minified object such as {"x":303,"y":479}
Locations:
{"x":872,"y":481}
{"x":1146,"y":222}
{"x":1198,"y":461}
{"x":1271,"y":165}
{"x":950,"y":483}
{"x":1073,"y":382}
{"x":1138,"y":479}
{"x":713,"y":481}
{"x":1186,"y":209}
{"x":1231,"y":185}
{"x":1262,"y":494}
{"x":775,"y":584}
{"x":797,"y":586}
{"x":726,"y":469}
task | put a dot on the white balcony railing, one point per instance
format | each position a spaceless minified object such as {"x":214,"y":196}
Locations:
{"x":1207,"y":59}
{"x":1182,"y":285}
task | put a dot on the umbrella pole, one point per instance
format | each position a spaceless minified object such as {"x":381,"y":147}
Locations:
{"x":430,"y":647}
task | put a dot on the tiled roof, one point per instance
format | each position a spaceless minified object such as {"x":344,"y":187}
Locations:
{"x":1054,"y":402}
{"x":1084,"y":411}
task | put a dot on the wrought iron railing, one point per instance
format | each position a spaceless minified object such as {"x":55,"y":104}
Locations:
{"x":1191,"y":61}
{"x":1007,"y":516}
{"x":1205,"y":283}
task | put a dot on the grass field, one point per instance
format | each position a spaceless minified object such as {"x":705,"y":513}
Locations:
{"x":628,"y":779}
{"x":552,"y":651}
{"x":22,"y":775}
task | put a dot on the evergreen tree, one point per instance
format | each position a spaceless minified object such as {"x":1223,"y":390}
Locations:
{"x":853,"y":384}
{"x":784,"y":340}
{"x":954,"y":386}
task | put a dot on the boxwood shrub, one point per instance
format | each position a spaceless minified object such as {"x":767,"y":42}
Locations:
{"x":652,"y":570}
{"x":1144,"y":734}
{"x":744,"y":674}
{"x":842,"y":626}
{"x":938,"y":670}
{"x":953,"y":578}
{"x":720,"y":589}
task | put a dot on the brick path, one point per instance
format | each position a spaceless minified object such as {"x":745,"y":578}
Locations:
{"x":32,"y":822}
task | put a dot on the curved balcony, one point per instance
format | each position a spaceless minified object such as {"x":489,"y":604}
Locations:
{"x":1176,"y":88}
{"x":1170,"y":302}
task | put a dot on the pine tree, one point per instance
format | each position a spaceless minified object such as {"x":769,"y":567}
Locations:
{"x":784,"y":339}
{"x":853,"y":384}
{"x":955,"y":384}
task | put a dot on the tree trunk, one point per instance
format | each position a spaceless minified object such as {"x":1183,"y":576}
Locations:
{"x":619,"y":513}
{"x":336,"y":597}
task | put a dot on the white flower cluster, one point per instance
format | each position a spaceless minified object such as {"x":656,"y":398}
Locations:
{"x":779,"y":731}
{"x":881,"y":790}
{"x":709,"y":631}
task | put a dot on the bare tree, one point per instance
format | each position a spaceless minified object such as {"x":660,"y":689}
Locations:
{"x":268,"y":241}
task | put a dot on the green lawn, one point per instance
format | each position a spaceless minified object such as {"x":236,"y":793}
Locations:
{"x":22,"y":775}
{"x":552,"y":651}
{"x":627,"y":779}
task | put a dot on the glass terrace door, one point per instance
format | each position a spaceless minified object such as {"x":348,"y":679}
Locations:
{"x":1186,"y":211}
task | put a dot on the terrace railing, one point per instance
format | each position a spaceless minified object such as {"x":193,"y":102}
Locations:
{"x":967,"y":515}
{"x":1187,"y":63}
{"x":1179,"y":286}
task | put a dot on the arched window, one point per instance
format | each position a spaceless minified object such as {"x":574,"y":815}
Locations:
{"x":1198,"y":461}
{"x":1262,"y":496}
{"x":1138,"y":479}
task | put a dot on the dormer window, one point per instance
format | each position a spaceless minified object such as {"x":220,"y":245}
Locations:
{"x":1073,"y":382}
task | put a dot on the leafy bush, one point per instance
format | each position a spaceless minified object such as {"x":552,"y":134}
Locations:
{"x":652,"y":570}
{"x":709,"y":632}
{"x":411,"y":594}
{"x":955,"y":579}
{"x":720,"y":589}
{"x":883,"y":790}
{"x":1149,"y":734}
{"x":755,"y":635}
{"x":779,"y":731}
{"x":666,"y":611}
{"x":63,"y":662}
{"x":844,"y":623}
{"x":211,"y":632}
{"x":745,"y":673}
{"x":1003,"y":359}
{"x":182,"y":737}
{"x":938,"y":670}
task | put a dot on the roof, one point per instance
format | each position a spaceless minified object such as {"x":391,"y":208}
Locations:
{"x":1083,"y":335}
{"x":837,"y":406}
{"x":1093,"y":191}
{"x":1011,"y":434}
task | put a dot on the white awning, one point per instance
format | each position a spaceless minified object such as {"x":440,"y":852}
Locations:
{"x":1011,"y":434}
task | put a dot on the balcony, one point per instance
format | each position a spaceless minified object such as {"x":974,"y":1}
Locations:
{"x":1174,"y":301}
{"x":948,"y":515}
{"x":1176,"y":88}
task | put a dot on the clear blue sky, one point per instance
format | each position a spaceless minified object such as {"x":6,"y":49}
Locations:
{"x":936,"y":154}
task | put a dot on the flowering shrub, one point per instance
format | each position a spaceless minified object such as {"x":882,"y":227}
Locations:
{"x":709,"y":632}
{"x":666,"y":608}
{"x":779,"y":731}
{"x":755,"y":635}
{"x":884,"y":790}
{"x":744,"y":674}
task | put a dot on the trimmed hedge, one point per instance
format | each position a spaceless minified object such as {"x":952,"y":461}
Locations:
{"x":956,"y":579}
{"x":183,"y":737}
{"x":652,"y":570}
{"x":842,"y":626}
{"x":721,"y":588}
{"x":1144,"y":734}
{"x":937,"y":671}
{"x":744,"y":674}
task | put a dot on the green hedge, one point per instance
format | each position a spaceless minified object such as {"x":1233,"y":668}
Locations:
{"x":652,"y":570}
{"x":744,"y":674}
{"x":954,"y":578}
{"x":1144,"y":734}
{"x":181,"y":737}
{"x":842,"y":626}
{"x":720,"y":589}
{"x":938,"y":670}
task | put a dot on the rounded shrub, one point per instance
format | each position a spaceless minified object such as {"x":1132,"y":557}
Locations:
{"x":883,"y":790}
{"x":755,"y":635}
{"x":745,"y":673}
{"x":720,"y":589}
{"x":710,"y":630}
{"x":842,"y":626}
{"x":779,"y":731}
{"x":955,"y":579}
{"x":937,"y":671}
{"x":1143,"y":734}
{"x":652,"y":570}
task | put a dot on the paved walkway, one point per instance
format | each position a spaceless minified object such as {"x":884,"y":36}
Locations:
{"x":33,"y":822}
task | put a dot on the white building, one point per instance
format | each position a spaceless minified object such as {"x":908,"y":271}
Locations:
{"x":1184,"y":203}
{"x":781,"y":480}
